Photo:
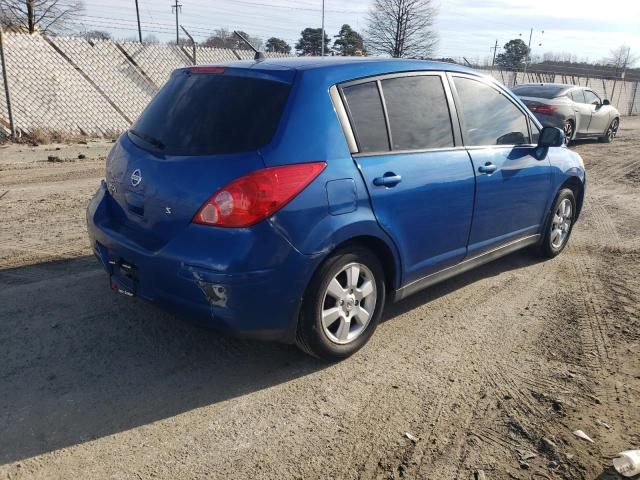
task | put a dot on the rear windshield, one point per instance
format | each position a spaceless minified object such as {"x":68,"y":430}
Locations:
{"x":539,"y":91}
{"x":206,"y":114}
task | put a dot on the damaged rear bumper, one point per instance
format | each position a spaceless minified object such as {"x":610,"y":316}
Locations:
{"x":221,"y":278}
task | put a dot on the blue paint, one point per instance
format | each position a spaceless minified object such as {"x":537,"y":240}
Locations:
{"x":251,"y":280}
{"x":341,"y":196}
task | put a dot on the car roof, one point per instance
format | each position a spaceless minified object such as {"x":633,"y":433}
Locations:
{"x":377,"y":65}
{"x":551,"y":85}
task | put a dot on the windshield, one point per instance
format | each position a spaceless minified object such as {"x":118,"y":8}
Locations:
{"x":540,"y":91}
{"x":206,"y":114}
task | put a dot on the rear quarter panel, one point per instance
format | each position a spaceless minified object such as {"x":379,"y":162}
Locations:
{"x":310,"y":131}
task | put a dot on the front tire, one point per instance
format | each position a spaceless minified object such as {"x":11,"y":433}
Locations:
{"x":342,"y":305}
{"x":611,"y":132}
{"x":559,"y":225}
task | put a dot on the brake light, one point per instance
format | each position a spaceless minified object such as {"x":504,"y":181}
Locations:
{"x":250,"y":199}
{"x":206,"y":69}
{"x":543,"y":109}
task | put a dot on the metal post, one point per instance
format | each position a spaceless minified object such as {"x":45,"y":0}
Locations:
{"x":322,"y":39}
{"x":193,"y":44}
{"x":138,"y":15}
{"x":495,"y":49}
{"x":633,"y":99}
{"x":6,"y":85}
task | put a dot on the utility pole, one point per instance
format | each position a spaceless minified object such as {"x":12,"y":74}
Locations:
{"x":177,"y":7}
{"x":138,"y":15}
{"x":495,"y":49}
{"x":322,"y":39}
{"x":528,"y":57}
{"x":526,"y":60}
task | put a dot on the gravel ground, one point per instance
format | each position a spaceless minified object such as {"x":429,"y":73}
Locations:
{"x":491,"y":371}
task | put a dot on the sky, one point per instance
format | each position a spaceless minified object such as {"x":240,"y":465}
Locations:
{"x":588,"y":29}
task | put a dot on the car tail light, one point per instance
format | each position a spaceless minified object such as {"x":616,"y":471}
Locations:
{"x":543,"y":109}
{"x":211,"y":69}
{"x":249,"y":199}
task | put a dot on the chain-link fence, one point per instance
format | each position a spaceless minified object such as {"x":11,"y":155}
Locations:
{"x":95,"y":87}
{"x":624,"y":95}
{"x":99,"y":87}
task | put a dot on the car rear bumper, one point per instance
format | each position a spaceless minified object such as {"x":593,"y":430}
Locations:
{"x":244,"y":281}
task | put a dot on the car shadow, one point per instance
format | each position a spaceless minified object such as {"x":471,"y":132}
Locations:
{"x":585,"y":141}
{"x":513,"y":261}
{"x":610,"y":474}
{"x":79,"y":362}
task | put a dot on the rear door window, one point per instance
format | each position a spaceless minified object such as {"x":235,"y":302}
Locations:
{"x":206,"y":114}
{"x":367,"y":117}
{"x":591,"y":97}
{"x":418,"y":113}
{"x":577,"y":96}
{"x":490,"y":118}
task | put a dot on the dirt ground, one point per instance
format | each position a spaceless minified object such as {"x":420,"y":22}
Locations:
{"x":489,"y":373}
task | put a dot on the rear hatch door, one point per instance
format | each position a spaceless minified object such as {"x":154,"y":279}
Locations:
{"x":202,"y":130}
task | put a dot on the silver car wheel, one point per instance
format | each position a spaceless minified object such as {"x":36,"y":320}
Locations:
{"x":568,"y":132}
{"x":348,"y":303}
{"x":613,"y":130}
{"x":561,"y":224}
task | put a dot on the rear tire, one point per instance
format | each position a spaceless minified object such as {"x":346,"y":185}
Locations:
{"x":568,"y":129}
{"x":611,"y":132}
{"x":343,"y":304}
{"x":559,"y":224}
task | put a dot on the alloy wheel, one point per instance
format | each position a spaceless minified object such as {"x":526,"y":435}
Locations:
{"x":348,"y":304}
{"x":613,"y":130}
{"x":568,"y":132}
{"x":561,"y":224}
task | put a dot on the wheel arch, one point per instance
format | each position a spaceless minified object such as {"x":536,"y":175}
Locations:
{"x":384,"y":252}
{"x":577,"y":187}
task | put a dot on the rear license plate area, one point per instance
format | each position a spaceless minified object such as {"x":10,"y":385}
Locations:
{"x":124,"y":277}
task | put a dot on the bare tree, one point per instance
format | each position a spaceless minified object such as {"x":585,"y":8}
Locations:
{"x":223,"y":38}
{"x":96,"y":35}
{"x":402,"y":28}
{"x":621,"y":58}
{"x":45,"y":16}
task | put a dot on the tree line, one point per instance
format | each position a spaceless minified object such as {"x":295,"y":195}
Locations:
{"x":398,"y":28}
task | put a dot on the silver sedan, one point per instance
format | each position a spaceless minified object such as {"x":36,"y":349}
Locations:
{"x":578,"y":111}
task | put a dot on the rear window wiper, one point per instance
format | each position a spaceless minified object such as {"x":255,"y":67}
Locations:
{"x":149,"y":139}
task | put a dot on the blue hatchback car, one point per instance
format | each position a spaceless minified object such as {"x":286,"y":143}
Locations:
{"x":288,"y":199}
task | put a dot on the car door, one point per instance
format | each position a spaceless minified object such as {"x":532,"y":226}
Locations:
{"x":582,"y":111}
{"x":419,"y":176}
{"x":512,"y":186}
{"x":599,"y":113}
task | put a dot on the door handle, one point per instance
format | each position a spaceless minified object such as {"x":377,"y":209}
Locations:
{"x":389,"y":179}
{"x":487,"y":168}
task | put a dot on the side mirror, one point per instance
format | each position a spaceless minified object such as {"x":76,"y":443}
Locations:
{"x":606,"y":102}
{"x":551,"y":137}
